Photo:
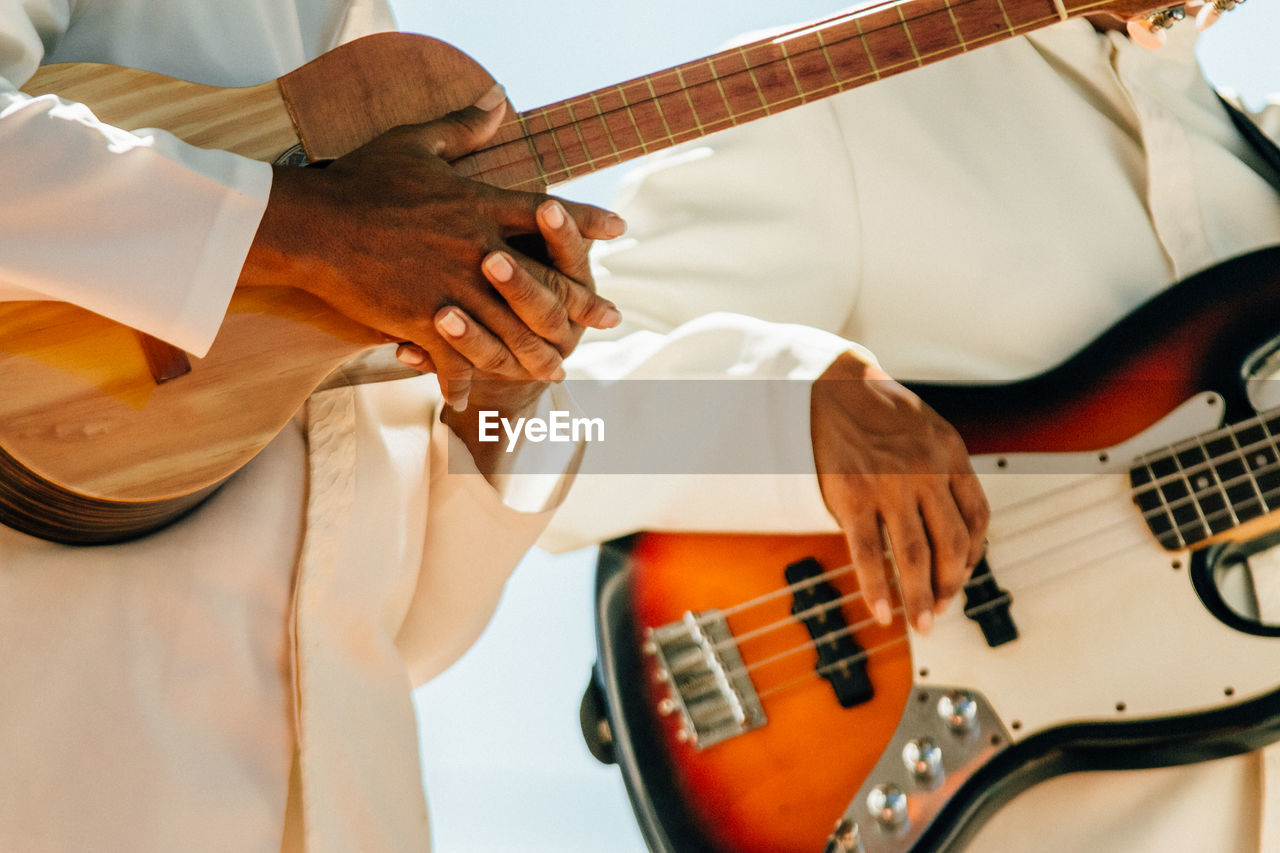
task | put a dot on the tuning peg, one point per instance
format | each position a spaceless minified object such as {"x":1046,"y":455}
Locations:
{"x":1149,"y":31}
{"x":1211,"y":12}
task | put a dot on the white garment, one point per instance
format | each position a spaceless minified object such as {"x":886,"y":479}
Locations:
{"x":979,"y":219}
{"x":188,"y":690}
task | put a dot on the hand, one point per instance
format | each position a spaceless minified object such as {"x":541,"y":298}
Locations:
{"x":553,"y":302}
{"x":545,"y":302}
{"x":390,"y":233}
{"x":885,"y":458}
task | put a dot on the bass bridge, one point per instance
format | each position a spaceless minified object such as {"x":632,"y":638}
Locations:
{"x":709,"y":686}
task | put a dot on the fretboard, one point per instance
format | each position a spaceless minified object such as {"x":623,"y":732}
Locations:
{"x":573,"y":137}
{"x":1209,"y":484}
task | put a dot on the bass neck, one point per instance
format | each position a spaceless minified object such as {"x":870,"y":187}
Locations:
{"x":580,"y":135}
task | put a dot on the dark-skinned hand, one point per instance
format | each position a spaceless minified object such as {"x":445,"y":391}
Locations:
{"x":390,"y":234}
{"x":887,"y":462}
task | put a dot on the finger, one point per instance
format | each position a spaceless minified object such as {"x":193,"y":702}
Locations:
{"x":531,"y":320}
{"x":973,"y":506}
{"x":477,"y":344}
{"x":453,"y":372}
{"x":515,"y":212}
{"x":595,"y":223}
{"x":412,"y":355}
{"x":539,"y":306}
{"x":569,"y":252}
{"x":949,"y":538}
{"x":463,"y":131}
{"x":914,"y":559}
{"x":866,"y":551}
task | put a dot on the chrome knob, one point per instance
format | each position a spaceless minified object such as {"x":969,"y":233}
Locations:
{"x":959,"y":710}
{"x":923,"y":758}
{"x":888,"y":805}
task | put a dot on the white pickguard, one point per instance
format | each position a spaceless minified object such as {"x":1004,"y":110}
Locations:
{"x":1107,"y":619}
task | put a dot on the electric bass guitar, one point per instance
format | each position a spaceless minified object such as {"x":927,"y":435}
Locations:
{"x":107,"y":435}
{"x":752,"y":701}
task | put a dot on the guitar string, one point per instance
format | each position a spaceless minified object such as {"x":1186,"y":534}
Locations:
{"x":825,"y":669}
{"x":857,"y":626}
{"x":555,"y":175}
{"x":1004,"y":538}
{"x":1012,"y":568}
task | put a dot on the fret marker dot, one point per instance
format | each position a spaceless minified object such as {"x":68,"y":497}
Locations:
{"x":1202,"y":482}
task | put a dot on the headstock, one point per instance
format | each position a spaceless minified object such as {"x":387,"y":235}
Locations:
{"x":1147,"y":27}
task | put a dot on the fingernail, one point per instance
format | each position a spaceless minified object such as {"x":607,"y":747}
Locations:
{"x":940,"y":607}
{"x":499,"y":267}
{"x":411,"y":356}
{"x":883,"y":613}
{"x":612,"y":317}
{"x":492,"y":98}
{"x":558,"y":374}
{"x":553,"y":214}
{"x":924,"y":622}
{"x":615,"y":225}
{"x":453,"y":325}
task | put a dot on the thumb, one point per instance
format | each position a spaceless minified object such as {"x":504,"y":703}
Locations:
{"x":463,"y":131}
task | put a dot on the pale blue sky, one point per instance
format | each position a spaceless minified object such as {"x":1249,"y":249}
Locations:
{"x":504,"y":763}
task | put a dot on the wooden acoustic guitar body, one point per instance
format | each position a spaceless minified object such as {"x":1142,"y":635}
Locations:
{"x":93,"y":447}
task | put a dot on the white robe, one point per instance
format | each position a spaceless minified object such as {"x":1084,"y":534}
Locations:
{"x":240,"y":680}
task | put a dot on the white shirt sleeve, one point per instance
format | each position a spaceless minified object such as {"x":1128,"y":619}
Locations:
{"x":712,"y":245}
{"x":139,"y":227}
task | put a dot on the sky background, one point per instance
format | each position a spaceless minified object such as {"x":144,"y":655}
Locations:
{"x":504,"y":762}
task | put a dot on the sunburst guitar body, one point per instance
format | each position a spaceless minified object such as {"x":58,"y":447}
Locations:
{"x":753,"y":701}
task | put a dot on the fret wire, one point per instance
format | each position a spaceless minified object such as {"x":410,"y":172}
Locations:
{"x":955,"y":25}
{"x":657,"y":105}
{"x":755,"y":84}
{"x":551,"y":132}
{"x":533,"y":150}
{"x":1004,"y":14}
{"x":1191,"y":496}
{"x":631,"y":113}
{"x":577,"y":129}
{"x":724,"y":96}
{"x":1269,"y":441}
{"x":910,"y":40}
{"x":688,"y":96}
{"x":1173,"y":522}
{"x":1248,"y":472}
{"x":604,"y":122}
{"x":866,"y":48}
{"x":822,"y":46}
{"x":795,"y":78}
{"x":1222,"y":489}
{"x":836,"y":86}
